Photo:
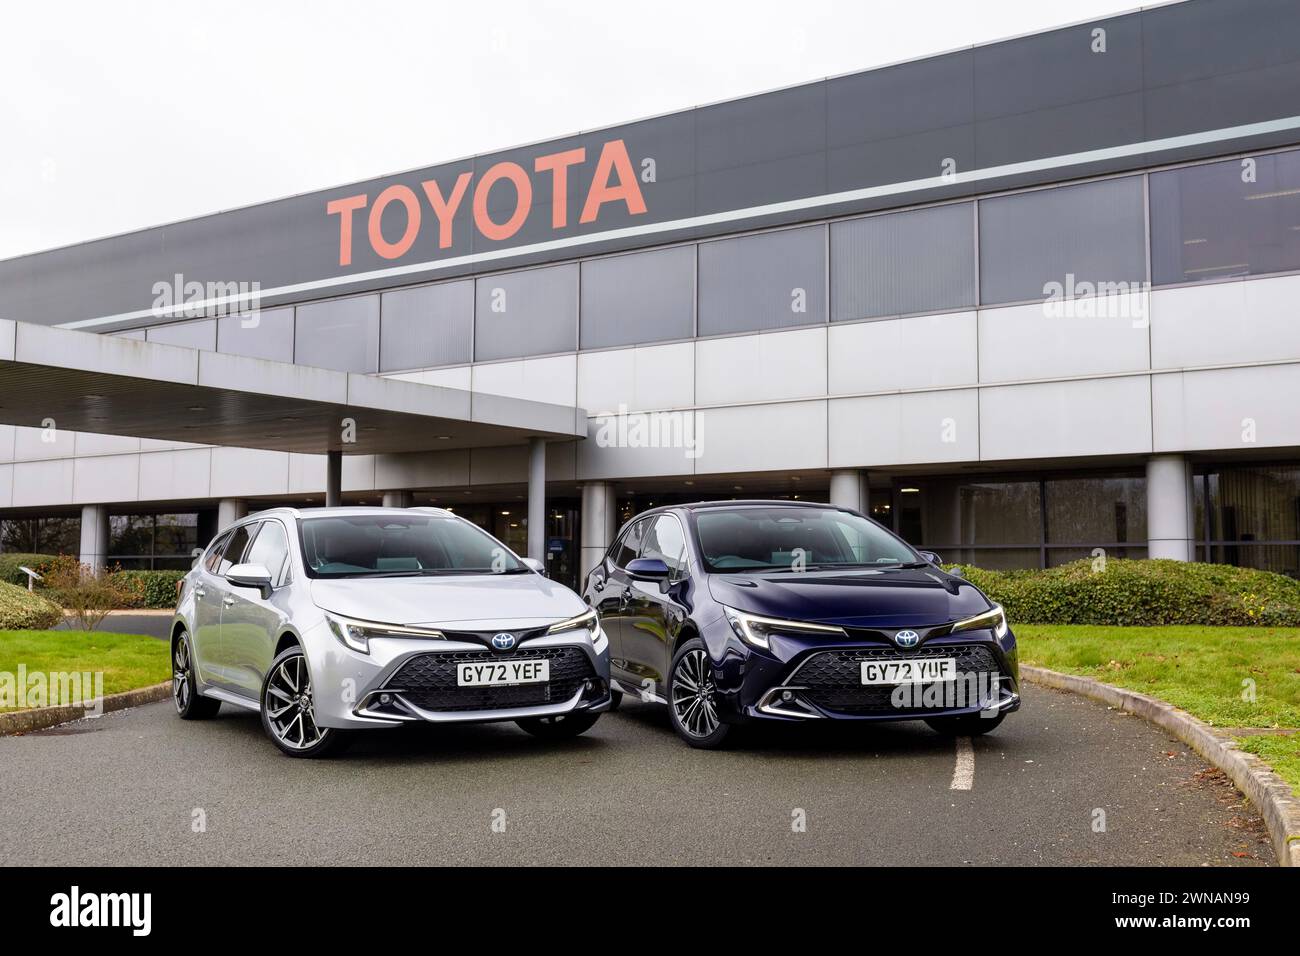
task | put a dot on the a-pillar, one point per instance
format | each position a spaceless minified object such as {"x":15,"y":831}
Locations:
{"x":599,"y":523}
{"x":1171,"y":528}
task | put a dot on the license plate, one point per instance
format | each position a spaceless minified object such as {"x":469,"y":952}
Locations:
{"x":503,"y":673}
{"x":917,"y":670}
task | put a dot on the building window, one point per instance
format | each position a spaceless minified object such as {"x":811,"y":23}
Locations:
{"x":534,"y":312}
{"x":919,"y":261}
{"x":57,"y":535}
{"x":1250,"y":517}
{"x":267,"y":335}
{"x":637,"y":298}
{"x":427,"y":326}
{"x":1031,"y":243}
{"x":153,"y":541}
{"x":1236,"y":218}
{"x":341,"y":334}
{"x":768,"y":281}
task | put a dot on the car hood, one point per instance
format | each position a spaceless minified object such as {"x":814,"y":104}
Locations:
{"x":900,"y":597}
{"x":489,"y":600}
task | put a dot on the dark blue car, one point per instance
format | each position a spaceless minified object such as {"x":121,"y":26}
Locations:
{"x":739,"y":611}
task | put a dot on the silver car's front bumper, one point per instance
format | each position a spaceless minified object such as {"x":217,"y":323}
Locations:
{"x":347,"y":684}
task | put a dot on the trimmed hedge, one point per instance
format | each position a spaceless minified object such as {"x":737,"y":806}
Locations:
{"x":23,"y":610}
{"x":11,"y":562}
{"x":157,"y":588}
{"x":1146,"y":593}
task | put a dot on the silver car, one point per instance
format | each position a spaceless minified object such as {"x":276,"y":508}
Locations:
{"x":330,"y":620}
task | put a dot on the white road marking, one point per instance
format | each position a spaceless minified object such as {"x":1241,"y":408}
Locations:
{"x":963,"y":775}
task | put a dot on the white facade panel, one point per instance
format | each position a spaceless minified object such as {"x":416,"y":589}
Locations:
{"x":1098,"y":335}
{"x":552,"y":379}
{"x":923,"y":351}
{"x":6,"y":486}
{"x":87,"y":444}
{"x":43,"y":482}
{"x":176,"y":474}
{"x":1225,"y":323}
{"x":647,"y":377}
{"x":106,"y":478}
{"x":421,"y":470}
{"x":1241,"y":408}
{"x":756,"y":368}
{"x":237,"y":472}
{"x":1108,"y":416}
{"x":458,"y":376}
{"x":939,"y":426}
{"x":761,"y":437}
{"x":37,"y":444}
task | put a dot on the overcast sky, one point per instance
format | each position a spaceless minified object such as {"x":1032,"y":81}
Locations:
{"x":120,"y":115}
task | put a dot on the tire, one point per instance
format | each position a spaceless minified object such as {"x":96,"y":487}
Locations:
{"x":288,"y":715}
{"x":190,"y":705}
{"x":615,"y":699}
{"x":969,"y":725}
{"x":692,"y":700}
{"x":561,"y":727}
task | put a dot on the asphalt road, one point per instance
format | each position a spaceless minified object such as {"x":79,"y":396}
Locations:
{"x":128,"y":787}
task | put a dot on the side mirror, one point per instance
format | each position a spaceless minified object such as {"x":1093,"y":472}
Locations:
{"x":648,"y":569}
{"x":538,"y":566}
{"x":251,"y":576}
{"x":931,"y":557}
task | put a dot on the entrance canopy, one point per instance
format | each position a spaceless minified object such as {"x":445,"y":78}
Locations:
{"x":84,"y":381}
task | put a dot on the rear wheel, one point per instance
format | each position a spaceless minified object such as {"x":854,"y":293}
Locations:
{"x":692,"y":698}
{"x":288,"y":713}
{"x":969,"y":725}
{"x":185,"y":687}
{"x":559,"y":727}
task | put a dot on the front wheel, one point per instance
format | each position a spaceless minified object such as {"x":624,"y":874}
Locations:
{"x":692,"y":698}
{"x":559,"y":727}
{"x":288,"y":714}
{"x":185,"y":687}
{"x":968,"y":725}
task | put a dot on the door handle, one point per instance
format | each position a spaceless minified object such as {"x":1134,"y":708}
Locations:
{"x":598,"y":586}
{"x":227,"y":601}
{"x":199,"y":592}
{"x":626,"y":597}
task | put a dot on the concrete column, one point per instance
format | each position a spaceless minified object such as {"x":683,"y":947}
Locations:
{"x":598,"y":523}
{"x":230,"y":510}
{"x":849,"y":490}
{"x":334,"y":479}
{"x":537,"y":498}
{"x":94,"y":536}
{"x":1171,"y":527}
{"x":398,"y":499}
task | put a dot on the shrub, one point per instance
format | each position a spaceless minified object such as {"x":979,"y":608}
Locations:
{"x":21,"y":610}
{"x":89,"y":593}
{"x":11,"y":563}
{"x":1143,"y":593}
{"x":157,"y":589}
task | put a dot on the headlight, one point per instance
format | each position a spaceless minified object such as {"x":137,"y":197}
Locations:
{"x":585,"y":621}
{"x":996,"y":619}
{"x":755,"y":630}
{"x":357,"y":634}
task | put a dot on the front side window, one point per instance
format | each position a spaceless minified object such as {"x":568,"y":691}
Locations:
{"x":235,"y":548}
{"x":629,"y":546}
{"x":347,"y":546}
{"x":793,"y":538}
{"x":213,"y":560}
{"x":271,"y":550}
{"x":664,"y":540}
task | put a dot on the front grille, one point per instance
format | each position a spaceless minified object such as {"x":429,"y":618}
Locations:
{"x":429,"y":680}
{"x":834,"y":678}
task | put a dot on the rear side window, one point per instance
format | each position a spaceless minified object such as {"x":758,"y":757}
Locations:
{"x":271,"y":550}
{"x":234,"y":548}
{"x":213,"y":560}
{"x":629,"y":546}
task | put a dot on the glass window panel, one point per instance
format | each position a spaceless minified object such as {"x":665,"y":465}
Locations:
{"x":427,"y":326}
{"x":1090,"y":233}
{"x":1096,"y":511}
{"x":18,"y":535}
{"x":267,"y":334}
{"x":940,"y":513}
{"x":341,"y":334}
{"x":534,"y":312}
{"x":1206,"y":223}
{"x":130,"y":535}
{"x":920,"y":261}
{"x":235,"y":548}
{"x":1255,"y":504}
{"x":664,"y":540}
{"x":192,"y":335}
{"x":176,"y":533}
{"x":767,"y":281}
{"x":1279,"y":558}
{"x":58,"y":535}
{"x":271,"y":550}
{"x":643,"y":297}
{"x":993,"y":559}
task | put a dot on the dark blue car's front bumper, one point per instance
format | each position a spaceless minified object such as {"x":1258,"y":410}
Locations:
{"x":806,"y":678}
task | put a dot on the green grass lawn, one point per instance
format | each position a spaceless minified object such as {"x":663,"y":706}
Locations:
{"x":127,"y":660}
{"x":1210,"y":672}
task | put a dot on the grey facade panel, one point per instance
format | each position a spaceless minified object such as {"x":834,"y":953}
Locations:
{"x":341,"y":334}
{"x":198,"y":334}
{"x":533,"y":312}
{"x":1093,"y":232}
{"x":769,"y":281}
{"x":639,"y":297}
{"x":427,"y":326}
{"x":894,"y":264}
{"x":269,"y":335}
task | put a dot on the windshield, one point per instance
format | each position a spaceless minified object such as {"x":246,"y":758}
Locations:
{"x":794,"y":538}
{"x":341,"y":546}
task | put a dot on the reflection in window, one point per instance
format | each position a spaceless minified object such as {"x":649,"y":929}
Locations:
{"x":1253,"y":515}
{"x":1236,"y":218}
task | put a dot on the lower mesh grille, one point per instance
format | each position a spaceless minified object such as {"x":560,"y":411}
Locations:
{"x":834,"y":678}
{"x":429,"y":680}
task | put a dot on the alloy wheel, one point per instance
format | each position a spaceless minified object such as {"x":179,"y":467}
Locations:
{"x":288,"y":705}
{"x":693,"y":695}
{"x":181,"y":674}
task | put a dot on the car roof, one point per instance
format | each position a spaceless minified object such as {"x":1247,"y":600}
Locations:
{"x":341,"y":511}
{"x":738,"y":503}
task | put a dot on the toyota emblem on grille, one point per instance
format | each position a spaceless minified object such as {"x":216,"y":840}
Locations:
{"x":503,"y":641}
{"x":907,"y":638}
